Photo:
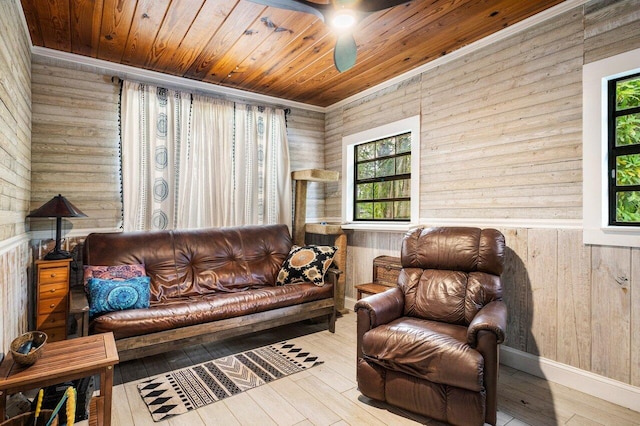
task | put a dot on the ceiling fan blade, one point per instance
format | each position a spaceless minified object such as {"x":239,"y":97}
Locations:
{"x":345,"y":52}
{"x":315,"y":9}
{"x":368,"y":6}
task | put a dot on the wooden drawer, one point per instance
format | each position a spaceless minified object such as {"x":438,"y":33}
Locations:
{"x":53,"y":275}
{"x":386,"y":270}
{"x":54,"y":334}
{"x":53,"y":320}
{"x":53,"y":291}
{"x":47,"y":306}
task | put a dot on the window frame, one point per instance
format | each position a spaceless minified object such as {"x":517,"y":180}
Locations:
{"x":407,"y":125}
{"x":380,"y":179}
{"x":595,"y":150}
{"x":615,"y":151}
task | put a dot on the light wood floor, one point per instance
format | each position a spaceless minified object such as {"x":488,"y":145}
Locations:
{"x":328,"y":395}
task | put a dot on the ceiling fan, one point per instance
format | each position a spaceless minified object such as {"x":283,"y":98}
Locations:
{"x":343,"y":15}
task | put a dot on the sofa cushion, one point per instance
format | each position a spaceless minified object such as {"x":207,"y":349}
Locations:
{"x":306,"y":264}
{"x":430,"y":350}
{"x":175,"y":313}
{"x":114,"y":272}
{"x":117,"y":295}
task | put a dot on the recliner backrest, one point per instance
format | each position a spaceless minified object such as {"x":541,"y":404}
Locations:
{"x":450,"y":273}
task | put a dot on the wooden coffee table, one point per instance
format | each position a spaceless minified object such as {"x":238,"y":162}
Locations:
{"x":62,"y":361}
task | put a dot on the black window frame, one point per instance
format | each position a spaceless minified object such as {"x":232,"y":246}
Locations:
{"x":390,"y":178}
{"x":616,"y":151}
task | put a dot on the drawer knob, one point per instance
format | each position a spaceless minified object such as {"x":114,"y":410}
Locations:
{"x":53,"y":275}
{"x":53,"y":290}
{"x":53,"y":305}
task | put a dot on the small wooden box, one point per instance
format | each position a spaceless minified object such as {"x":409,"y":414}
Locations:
{"x":386,"y":270}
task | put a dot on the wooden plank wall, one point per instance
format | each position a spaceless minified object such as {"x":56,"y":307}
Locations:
{"x":75,"y":143}
{"x":15,"y":172}
{"x":305,"y":132}
{"x":502,"y":140}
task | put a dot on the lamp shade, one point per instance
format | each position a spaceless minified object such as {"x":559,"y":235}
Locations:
{"x":57,"y":207}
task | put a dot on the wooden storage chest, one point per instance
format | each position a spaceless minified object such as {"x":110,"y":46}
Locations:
{"x":386,"y":270}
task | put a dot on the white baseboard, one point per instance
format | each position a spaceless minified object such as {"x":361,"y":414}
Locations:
{"x":574,"y":378}
{"x":584,"y":381}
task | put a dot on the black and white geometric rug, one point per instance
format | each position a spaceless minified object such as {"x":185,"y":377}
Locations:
{"x":190,"y":388}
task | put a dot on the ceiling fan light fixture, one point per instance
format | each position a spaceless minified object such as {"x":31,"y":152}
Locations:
{"x":343,"y":19}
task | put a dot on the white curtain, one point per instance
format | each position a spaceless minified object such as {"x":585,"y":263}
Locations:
{"x":154,"y":129}
{"x":232,"y":170}
{"x":261,"y":166}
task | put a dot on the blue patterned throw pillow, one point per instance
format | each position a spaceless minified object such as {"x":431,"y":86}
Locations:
{"x":116,"y":295}
{"x":306,"y":264}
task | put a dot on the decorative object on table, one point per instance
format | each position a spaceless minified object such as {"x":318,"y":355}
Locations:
{"x":27,"y":348}
{"x":57,"y":207}
{"x":27,"y":419}
{"x":180,"y":391}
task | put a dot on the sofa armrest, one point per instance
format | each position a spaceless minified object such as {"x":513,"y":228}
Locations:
{"x":376,"y":310}
{"x":332,"y":275}
{"x":492,"y":317}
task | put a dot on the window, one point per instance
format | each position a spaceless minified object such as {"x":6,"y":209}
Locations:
{"x":611,"y":185}
{"x":383,"y":179}
{"x":624,"y":151}
{"x":381,"y":176}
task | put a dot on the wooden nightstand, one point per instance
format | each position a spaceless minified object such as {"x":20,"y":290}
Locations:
{"x":386,"y":270}
{"x":52,"y":297}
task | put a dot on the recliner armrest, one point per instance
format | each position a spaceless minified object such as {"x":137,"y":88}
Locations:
{"x":376,"y":310}
{"x":383,"y":307}
{"x":492,"y":317}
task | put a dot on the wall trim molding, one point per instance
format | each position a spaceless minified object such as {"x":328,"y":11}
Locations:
{"x":478,"y":222}
{"x":13,"y":242}
{"x":81,"y":232}
{"x":505,"y":223}
{"x":584,"y":381}
{"x":154,"y":77}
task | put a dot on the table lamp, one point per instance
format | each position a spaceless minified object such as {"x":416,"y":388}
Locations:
{"x":57,"y":207}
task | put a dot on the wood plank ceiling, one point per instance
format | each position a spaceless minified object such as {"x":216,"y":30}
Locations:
{"x":266,"y":50}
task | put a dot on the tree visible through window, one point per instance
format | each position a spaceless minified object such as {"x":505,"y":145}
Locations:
{"x":383,"y":179}
{"x":624,"y":151}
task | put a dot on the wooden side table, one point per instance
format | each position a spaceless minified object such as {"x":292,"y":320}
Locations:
{"x":370,"y":288}
{"x":79,"y":309}
{"x":63,"y":361}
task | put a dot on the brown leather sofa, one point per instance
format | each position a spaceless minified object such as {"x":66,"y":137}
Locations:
{"x":206,"y":285}
{"x":430,"y":345}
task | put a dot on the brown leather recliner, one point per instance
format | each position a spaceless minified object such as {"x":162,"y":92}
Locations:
{"x":430,"y":345}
